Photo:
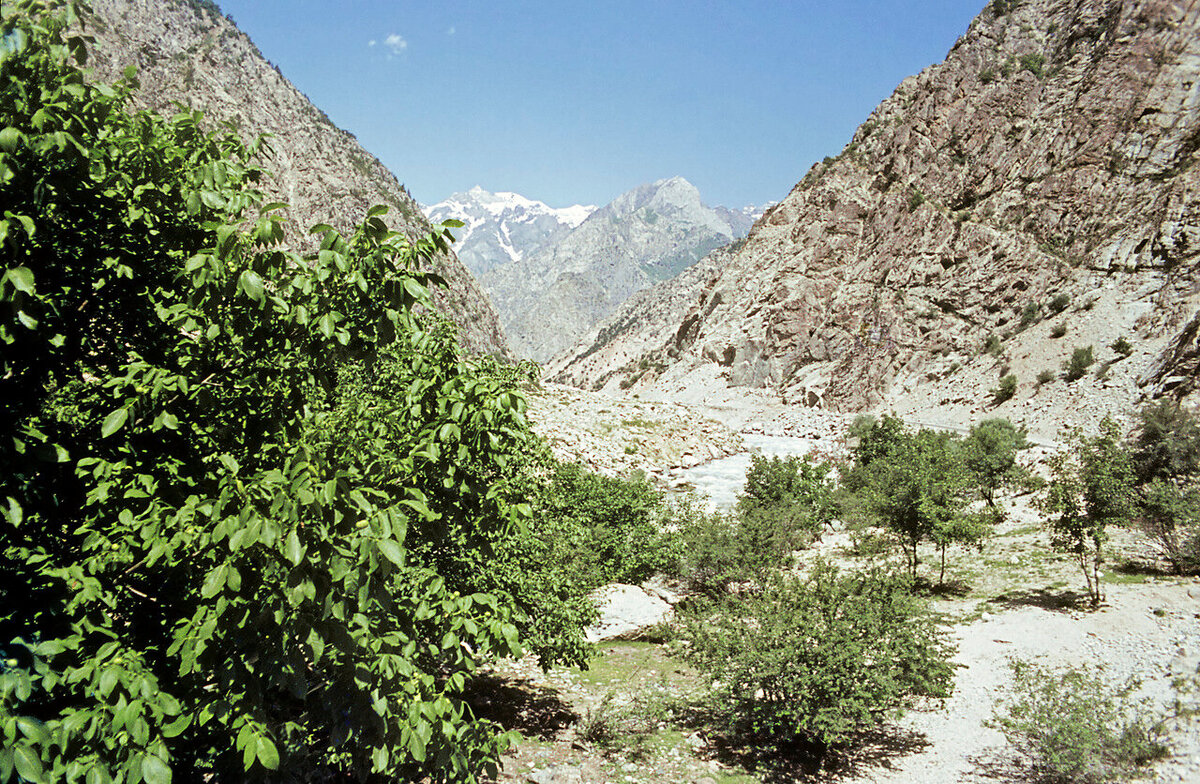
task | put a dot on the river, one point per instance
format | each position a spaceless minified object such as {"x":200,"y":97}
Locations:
{"x":721,"y":480}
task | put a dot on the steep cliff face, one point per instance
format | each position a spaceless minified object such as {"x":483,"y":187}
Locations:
{"x":1043,"y":175}
{"x":549,"y":299}
{"x":186,"y":52}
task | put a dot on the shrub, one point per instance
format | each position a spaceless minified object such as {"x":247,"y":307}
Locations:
{"x":1166,"y":458}
{"x":1076,"y":367}
{"x":711,"y":554}
{"x":1170,"y":516}
{"x":1070,"y":726}
{"x":812,"y":660}
{"x":608,"y":528}
{"x":876,"y":438}
{"x":1122,"y":347}
{"x":987,"y":76}
{"x":1059,"y":303}
{"x":624,"y":726}
{"x":993,"y":345}
{"x":1029,"y":314}
{"x":1006,"y":389}
{"x":1058,"y":330}
{"x":1166,"y":442}
{"x":786,"y":502}
{"x":1033,"y":63}
{"x":1045,"y":377}
{"x":915,"y":199}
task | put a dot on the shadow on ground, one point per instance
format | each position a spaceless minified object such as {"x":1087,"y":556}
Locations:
{"x":802,"y":763}
{"x":1052,"y":600}
{"x":997,"y":765}
{"x":517,"y":704}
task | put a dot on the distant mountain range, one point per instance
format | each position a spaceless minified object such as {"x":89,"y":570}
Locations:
{"x":553,"y":273}
{"x":504,"y":227}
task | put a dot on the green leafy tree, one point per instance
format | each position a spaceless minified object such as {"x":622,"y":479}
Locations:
{"x":253,"y":501}
{"x":812,"y":660}
{"x":990,"y":453}
{"x":1091,"y":488}
{"x":1166,"y":458}
{"x":918,"y":490}
{"x":786,"y":503}
{"x":876,"y":438}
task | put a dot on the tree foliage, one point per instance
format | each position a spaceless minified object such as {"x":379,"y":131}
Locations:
{"x":786,"y":504}
{"x":255,"y":504}
{"x":1091,"y":488}
{"x":990,"y":452}
{"x":917,"y":486}
{"x":1165,"y":449}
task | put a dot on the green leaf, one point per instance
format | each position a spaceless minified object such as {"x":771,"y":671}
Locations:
{"x":249,"y":754}
{"x":392,"y":551}
{"x":14,"y":514}
{"x":295,"y":553}
{"x":214,"y":582}
{"x":114,"y":422}
{"x":21,"y":278}
{"x":252,"y":284}
{"x":325,"y":325}
{"x":9,"y":139}
{"x":155,"y":771}
{"x":33,"y":729}
{"x":29,"y":764}
{"x":268,"y":755}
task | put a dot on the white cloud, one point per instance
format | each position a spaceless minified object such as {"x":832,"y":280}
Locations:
{"x":372,"y":42}
{"x":395,"y":43}
{"x":451,"y":31}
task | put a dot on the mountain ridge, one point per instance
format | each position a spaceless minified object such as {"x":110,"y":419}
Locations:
{"x":186,"y":51}
{"x":548,"y":298}
{"x":1049,"y":156}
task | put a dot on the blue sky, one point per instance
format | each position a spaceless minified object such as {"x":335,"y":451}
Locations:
{"x":574,"y":102}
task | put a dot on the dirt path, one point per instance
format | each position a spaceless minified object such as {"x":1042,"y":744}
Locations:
{"x":1151,"y":631}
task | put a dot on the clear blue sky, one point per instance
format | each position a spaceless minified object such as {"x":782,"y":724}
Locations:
{"x":577,"y":102}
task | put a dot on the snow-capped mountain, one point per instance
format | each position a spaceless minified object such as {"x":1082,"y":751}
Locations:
{"x":549,"y":298}
{"x":503,"y":227}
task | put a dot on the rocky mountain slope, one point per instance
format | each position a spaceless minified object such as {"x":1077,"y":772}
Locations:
{"x":503,"y":227}
{"x":548,"y":299}
{"x":186,"y":51}
{"x":1034,"y":193}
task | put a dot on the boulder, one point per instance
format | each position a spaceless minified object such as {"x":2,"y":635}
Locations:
{"x":627,"y":612}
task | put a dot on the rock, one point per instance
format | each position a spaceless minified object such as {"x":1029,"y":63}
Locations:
{"x":627,"y":612}
{"x":557,"y":774}
{"x":657,"y":587}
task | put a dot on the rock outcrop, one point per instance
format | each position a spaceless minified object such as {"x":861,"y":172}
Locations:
{"x":187,"y":52}
{"x":549,"y":299}
{"x":1042,"y":175}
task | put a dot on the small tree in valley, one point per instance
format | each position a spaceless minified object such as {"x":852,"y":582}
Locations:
{"x":1092,"y":487}
{"x":990,"y":452}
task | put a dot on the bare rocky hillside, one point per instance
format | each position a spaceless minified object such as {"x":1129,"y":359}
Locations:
{"x":185,"y":51}
{"x":1037,"y":187}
